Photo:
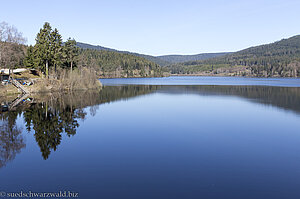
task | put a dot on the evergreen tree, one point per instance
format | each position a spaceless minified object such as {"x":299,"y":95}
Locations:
{"x":47,"y":52}
{"x":43,"y":47}
{"x":70,"y":52}
{"x":56,"y":48}
{"x":30,"y":58}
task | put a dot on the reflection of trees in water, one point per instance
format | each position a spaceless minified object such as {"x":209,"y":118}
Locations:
{"x":94,"y":109}
{"x":283,"y":97}
{"x":52,"y":115}
{"x":114,"y":93}
{"x":49,"y":122}
{"x":11,"y":139}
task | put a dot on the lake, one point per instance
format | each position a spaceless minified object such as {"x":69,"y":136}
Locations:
{"x":176,"y":137}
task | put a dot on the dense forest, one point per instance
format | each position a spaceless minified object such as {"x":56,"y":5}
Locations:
{"x":164,"y":60}
{"x":109,"y":64}
{"x":185,"y":58}
{"x":279,"y":59}
{"x":154,"y":59}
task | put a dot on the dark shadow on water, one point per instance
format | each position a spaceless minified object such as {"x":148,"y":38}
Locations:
{"x":287,"y":98}
{"x":49,"y":116}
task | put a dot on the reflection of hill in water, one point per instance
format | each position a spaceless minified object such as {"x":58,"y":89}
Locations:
{"x":52,"y":115}
{"x":287,"y":98}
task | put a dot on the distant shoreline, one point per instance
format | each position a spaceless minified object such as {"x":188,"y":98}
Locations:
{"x":202,"y":75}
{"x":223,"y":75}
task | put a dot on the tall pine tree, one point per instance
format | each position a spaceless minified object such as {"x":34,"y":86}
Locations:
{"x":56,"y":48}
{"x":70,"y":52}
{"x":47,"y":52}
{"x":44,"y":48}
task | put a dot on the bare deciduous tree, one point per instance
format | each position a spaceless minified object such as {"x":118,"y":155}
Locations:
{"x":11,"y":34}
{"x":12,"y":49}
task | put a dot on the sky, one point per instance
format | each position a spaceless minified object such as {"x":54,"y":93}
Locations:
{"x":159,"y":27}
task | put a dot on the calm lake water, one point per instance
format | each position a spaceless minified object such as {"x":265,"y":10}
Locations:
{"x":196,"y":80}
{"x":177,"y":137}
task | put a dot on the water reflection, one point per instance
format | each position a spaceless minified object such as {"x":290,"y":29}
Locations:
{"x":287,"y":98}
{"x":11,"y":139}
{"x":49,"y":122}
{"x":50,"y":116}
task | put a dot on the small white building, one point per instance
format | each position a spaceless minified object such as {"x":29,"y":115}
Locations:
{"x":18,"y":70}
{"x":4,"y":73}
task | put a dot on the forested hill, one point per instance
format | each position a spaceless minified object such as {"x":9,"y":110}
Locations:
{"x":111,"y":64}
{"x":148,"y":57}
{"x":186,"y":58}
{"x":163,"y":60}
{"x":278,"y":59}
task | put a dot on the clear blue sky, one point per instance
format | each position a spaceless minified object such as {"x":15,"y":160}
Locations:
{"x":160,"y":27}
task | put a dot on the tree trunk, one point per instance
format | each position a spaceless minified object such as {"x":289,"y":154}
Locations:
{"x":71,"y":66}
{"x":56,"y":76}
{"x":46,"y":110}
{"x":47,"y":72}
{"x":80,"y":72}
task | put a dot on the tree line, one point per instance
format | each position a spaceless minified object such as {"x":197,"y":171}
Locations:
{"x":50,"y":54}
{"x":115,"y":64}
{"x":280,"y":59}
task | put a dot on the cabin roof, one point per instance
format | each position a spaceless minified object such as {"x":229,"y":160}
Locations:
{"x":5,"y":71}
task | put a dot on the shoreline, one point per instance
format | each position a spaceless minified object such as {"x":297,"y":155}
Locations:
{"x":46,"y":86}
{"x":8,"y":91}
{"x":201,"y":75}
{"x":222,"y":75}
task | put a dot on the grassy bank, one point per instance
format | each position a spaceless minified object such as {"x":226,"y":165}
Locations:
{"x":8,"y":90}
{"x":61,"y":80}
{"x":64,"y":80}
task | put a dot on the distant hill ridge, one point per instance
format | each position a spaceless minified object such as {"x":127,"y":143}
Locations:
{"x":186,"y":58}
{"x":281,"y":58}
{"x":278,"y":59}
{"x":163,"y":60}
